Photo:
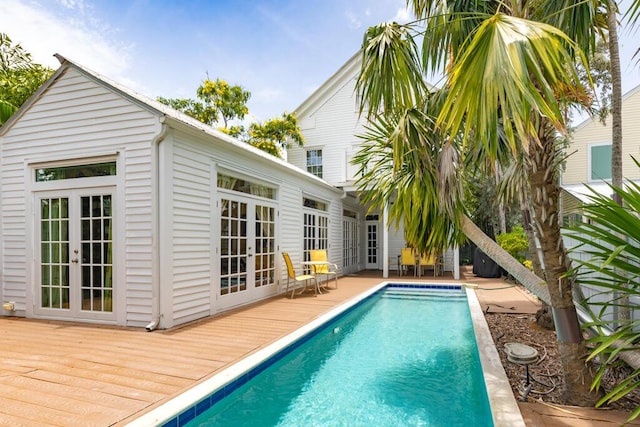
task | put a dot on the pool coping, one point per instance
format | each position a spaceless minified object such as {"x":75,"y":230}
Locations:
{"x":504,"y":408}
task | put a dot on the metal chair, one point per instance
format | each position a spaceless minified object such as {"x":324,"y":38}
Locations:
{"x":325,"y":267}
{"x":407,"y":259}
{"x":429,"y":260}
{"x":299,"y":279}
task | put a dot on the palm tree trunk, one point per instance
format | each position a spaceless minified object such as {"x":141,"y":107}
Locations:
{"x":521,"y":273}
{"x":544,"y":317}
{"x":531,"y":238}
{"x":545,"y":193}
{"x":623,"y":312}
{"x":616,"y":100}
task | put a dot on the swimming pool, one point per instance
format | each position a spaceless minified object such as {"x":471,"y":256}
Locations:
{"x":344,"y":370}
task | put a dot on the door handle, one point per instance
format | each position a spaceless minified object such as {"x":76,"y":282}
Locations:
{"x":75,"y":260}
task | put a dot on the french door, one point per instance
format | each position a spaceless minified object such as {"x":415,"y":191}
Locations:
{"x":350,"y":258}
{"x":247,"y":250}
{"x":74,"y":256}
{"x":373,"y":244}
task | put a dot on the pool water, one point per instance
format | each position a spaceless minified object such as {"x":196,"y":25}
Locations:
{"x":399,"y":359}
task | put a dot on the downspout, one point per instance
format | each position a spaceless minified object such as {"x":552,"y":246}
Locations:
{"x":155,"y":250}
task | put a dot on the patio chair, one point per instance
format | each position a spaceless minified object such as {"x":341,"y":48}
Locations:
{"x":407,"y":259}
{"x":299,"y":279}
{"x":328,"y":269}
{"x":429,"y":260}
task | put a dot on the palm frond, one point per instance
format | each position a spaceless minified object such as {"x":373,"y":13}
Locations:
{"x":391,"y":78}
{"x":405,"y":165}
{"x":509,"y":74}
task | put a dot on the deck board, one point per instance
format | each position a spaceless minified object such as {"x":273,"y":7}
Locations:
{"x":68,"y":374}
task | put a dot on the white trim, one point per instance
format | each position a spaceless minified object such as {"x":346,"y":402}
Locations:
{"x":89,"y":157}
{"x":589,"y":162}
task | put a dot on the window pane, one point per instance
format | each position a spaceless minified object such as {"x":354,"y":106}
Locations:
{"x":78,"y":171}
{"x":600,"y":162}
{"x":314,"y":162}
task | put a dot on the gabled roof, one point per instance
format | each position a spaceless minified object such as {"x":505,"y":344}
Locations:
{"x":348,"y":71}
{"x":154,"y":107}
{"x":590,"y":120}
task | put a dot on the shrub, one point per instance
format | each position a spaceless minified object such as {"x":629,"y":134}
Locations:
{"x":515,"y":243}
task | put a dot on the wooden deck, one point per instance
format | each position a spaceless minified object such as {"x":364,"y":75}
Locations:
{"x":73,"y":374}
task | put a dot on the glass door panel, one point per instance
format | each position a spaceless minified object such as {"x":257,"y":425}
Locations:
{"x":265,"y":244}
{"x":372,"y":245}
{"x":97,"y":253}
{"x":233,"y":243}
{"x":54,"y":253}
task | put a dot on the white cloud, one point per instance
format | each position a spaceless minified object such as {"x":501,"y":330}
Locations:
{"x":403,"y":16}
{"x":72,"y":32}
{"x":354,"y":21}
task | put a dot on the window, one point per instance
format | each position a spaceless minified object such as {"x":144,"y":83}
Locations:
{"x":76,"y":171}
{"x":314,"y":162}
{"x":227,"y":182}
{"x":600,"y":160}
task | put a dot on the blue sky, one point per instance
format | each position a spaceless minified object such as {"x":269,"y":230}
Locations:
{"x":279,"y":50}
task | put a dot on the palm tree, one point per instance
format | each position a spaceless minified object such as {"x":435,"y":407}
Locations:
{"x":509,"y":74}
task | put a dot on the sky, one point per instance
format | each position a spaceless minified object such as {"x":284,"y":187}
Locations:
{"x":279,"y":50}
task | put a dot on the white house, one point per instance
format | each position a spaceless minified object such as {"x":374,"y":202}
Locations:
{"x":589,"y":164}
{"x":589,"y":160}
{"x":330,"y":123}
{"x":117,"y":209}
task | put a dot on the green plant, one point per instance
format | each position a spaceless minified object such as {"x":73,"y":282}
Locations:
{"x":611,"y":241}
{"x":515,"y":243}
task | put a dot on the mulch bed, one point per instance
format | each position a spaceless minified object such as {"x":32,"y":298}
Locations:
{"x":545,"y":374}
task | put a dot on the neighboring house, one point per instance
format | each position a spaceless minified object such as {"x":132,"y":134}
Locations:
{"x":589,"y":160}
{"x":117,"y":209}
{"x":589,"y":164}
{"x":330,"y":123}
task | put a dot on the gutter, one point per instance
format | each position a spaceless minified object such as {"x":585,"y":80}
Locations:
{"x":155,"y":198}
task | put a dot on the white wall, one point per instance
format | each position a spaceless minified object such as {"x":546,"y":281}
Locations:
{"x":77,"y":117}
{"x":332,"y":126}
{"x":191,"y":219}
{"x":594,"y":132}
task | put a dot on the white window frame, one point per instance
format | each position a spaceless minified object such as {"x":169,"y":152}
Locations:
{"x":590,"y":177}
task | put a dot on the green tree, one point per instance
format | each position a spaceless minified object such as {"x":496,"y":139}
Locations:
{"x":509,"y":76}
{"x":275,"y":135}
{"x":20,"y":77}
{"x":218,"y":103}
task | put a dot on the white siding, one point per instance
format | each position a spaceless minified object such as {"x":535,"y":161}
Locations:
{"x":194,"y":220}
{"x":291,"y":219}
{"x":594,"y":132}
{"x":76,"y":117}
{"x":333,"y":128}
{"x":191,"y":238}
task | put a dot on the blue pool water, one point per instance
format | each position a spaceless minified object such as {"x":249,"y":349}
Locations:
{"x":398,"y":359}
